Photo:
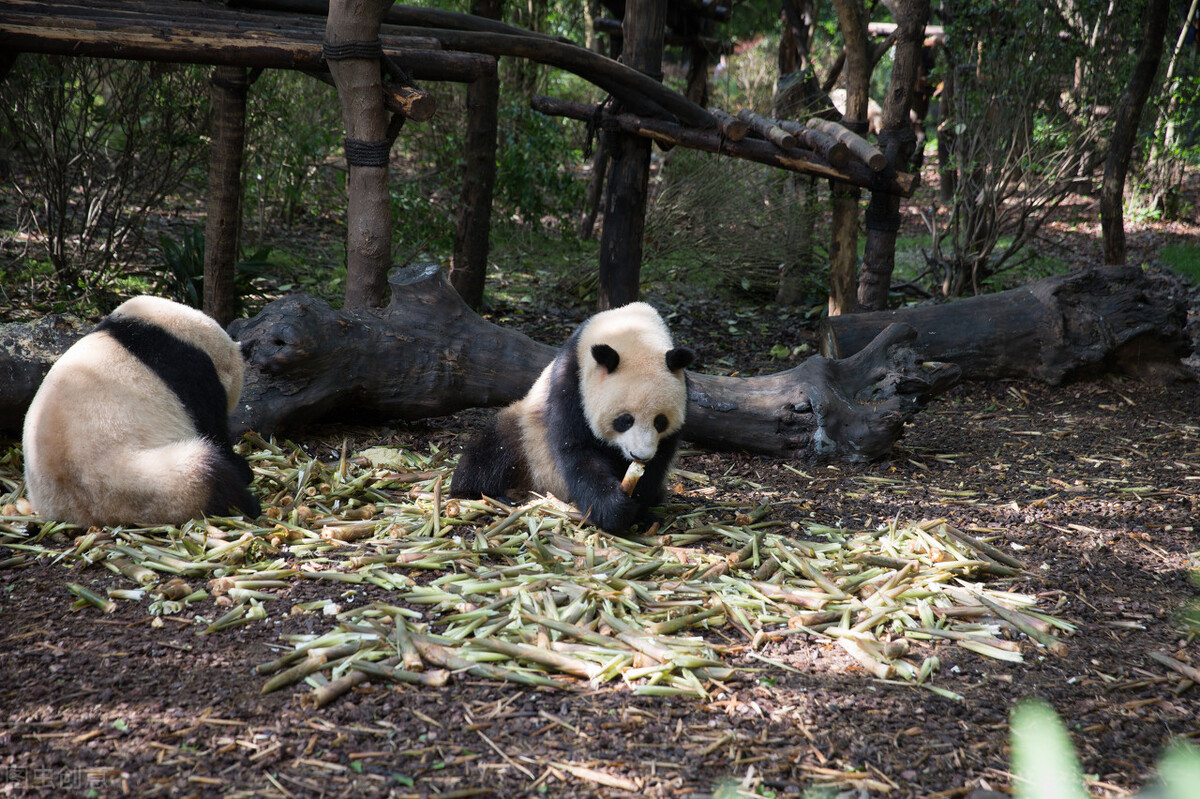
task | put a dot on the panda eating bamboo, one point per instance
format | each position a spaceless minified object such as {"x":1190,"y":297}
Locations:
{"x":615,"y":394}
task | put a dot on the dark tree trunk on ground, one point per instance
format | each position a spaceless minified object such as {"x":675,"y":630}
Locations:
{"x":1057,"y":329}
{"x":468,"y":268}
{"x":427,"y":354}
{"x":368,"y":210}
{"x":897,"y":140}
{"x":1124,"y":135}
{"x":843,"y":250}
{"x":27,"y":351}
{"x":224,"y":223}
{"x":629,"y":167}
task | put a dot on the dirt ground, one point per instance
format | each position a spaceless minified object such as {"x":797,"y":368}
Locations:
{"x":1092,"y":486}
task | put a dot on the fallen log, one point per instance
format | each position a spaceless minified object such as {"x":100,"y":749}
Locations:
{"x":27,"y":349}
{"x":1060,"y":328}
{"x":428,"y":354}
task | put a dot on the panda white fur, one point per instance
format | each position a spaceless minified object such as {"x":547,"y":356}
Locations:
{"x":131,"y":424}
{"x":615,"y":393}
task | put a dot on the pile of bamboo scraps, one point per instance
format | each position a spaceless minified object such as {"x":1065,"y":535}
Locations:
{"x":423,"y":587}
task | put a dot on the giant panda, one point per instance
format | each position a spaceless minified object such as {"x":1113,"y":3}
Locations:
{"x":131,"y":424}
{"x":615,"y":393}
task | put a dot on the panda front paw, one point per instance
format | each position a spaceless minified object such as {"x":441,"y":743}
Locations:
{"x":615,"y":513}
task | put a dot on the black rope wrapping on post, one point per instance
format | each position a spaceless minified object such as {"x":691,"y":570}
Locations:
{"x":367,"y":153}
{"x":344,"y":50}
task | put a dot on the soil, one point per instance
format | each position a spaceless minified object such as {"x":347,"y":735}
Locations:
{"x":1093,"y":486}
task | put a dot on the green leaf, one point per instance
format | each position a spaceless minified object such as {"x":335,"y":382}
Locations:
{"x":1043,"y":757}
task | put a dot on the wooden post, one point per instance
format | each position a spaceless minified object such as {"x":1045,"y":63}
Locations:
{"x":843,"y":249}
{"x":468,"y":265}
{"x":222,"y":228}
{"x":897,"y":140}
{"x":353,"y":27}
{"x":629,"y":168}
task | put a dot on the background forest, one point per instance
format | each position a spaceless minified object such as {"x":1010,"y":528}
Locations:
{"x":106,"y":164}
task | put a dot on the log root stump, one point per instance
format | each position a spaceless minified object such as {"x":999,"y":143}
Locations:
{"x":27,"y":350}
{"x":428,"y":354}
{"x":1064,"y":327}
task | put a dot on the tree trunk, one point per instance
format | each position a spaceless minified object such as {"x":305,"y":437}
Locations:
{"x":468,"y":267}
{"x":843,"y":249}
{"x":223,"y":226}
{"x":897,"y":139}
{"x":1124,"y":135}
{"x":1169,"y":171}
{"x":368,"y":209}
{"x":629,"y":167}
{"x":1054,"y":330}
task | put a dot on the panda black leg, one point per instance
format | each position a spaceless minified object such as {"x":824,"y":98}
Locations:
{"x":490,"y":466}
{"x":228,"y":489}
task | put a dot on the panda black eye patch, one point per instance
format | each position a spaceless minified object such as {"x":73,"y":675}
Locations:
{"x":661,"y":423}
{"x":623,"y":422}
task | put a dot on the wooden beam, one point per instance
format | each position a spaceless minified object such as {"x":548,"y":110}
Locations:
{"x":195,"y":33}
{"x":757,"y":150}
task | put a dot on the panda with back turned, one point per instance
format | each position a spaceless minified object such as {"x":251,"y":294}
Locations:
{"x":131,"y":424}
{"x":615,"y":393}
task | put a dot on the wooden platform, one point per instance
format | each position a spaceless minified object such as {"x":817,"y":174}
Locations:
{"x":199,"y":32}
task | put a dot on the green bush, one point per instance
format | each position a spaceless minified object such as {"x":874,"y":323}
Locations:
{"x":1045,"y":765}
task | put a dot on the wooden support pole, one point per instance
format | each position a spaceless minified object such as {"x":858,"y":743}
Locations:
{"x":468,"y":263}
{"x":898,"y":140}
{"x":222,"y":227}
{"x":629,"y":169}
{"x":355,"y":24}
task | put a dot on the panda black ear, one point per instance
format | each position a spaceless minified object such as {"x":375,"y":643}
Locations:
{"x":606,"y":356}
{"x":679,"y":358}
